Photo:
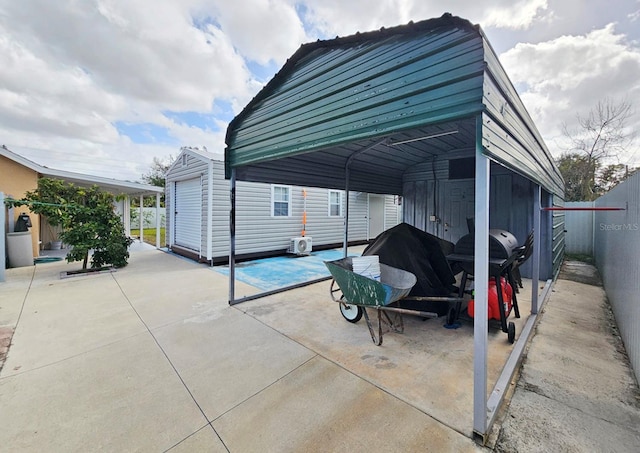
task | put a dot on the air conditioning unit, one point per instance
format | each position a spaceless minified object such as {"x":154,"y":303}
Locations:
{"x":301,"y":245}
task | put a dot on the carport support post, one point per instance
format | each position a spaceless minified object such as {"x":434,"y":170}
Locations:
{"x":481,"y":287}
{"x":346,"y":209}
{"x":2,"y":238}
{"x":232,"y":238}
{"x":157,"y":220}
{"x":140,"y":223}
{"x":537,"y":234}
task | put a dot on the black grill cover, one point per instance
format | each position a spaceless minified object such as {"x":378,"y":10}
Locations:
{"x":408,"y":248}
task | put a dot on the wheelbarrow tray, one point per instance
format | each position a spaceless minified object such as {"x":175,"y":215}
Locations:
{"x":394,"y":284}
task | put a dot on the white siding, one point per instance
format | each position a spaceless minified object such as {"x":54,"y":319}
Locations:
{"x":257,"y":231}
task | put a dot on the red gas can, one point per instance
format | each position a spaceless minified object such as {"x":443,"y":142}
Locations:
{"x":507,"y":297}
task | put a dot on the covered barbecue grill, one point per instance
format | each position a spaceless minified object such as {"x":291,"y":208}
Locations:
{"x":502,"y":245}
{"x":503,"y":253}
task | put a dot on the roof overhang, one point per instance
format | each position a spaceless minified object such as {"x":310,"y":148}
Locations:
{"x":113,"y":186}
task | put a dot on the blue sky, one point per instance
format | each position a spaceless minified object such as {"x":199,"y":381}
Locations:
{"x":104,"y":86}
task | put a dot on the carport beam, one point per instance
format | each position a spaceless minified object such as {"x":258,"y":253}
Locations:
{"x":481,"y":284}
{"x":232,"y":237}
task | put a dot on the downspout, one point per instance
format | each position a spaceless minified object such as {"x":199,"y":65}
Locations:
{"x":210,"y":213}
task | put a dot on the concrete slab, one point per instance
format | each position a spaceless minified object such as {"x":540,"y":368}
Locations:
{"x":543,"y":424}
{"x":428,"y":366}
{"x":171,"y":289}
{"x":322,"y":407}
{"x":70,"y":317}
{"x":576,"y":391}
{"x":205,"y":440}
{"x":13,"y":293}
{"x":576,"y":361}
{"x":122,"y":397}
{"x":225,"y":357}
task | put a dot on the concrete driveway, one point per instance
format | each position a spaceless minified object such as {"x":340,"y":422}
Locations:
{"x":152,"y":358}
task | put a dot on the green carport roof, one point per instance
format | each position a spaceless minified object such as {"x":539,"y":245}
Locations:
{"x":402,"y":95}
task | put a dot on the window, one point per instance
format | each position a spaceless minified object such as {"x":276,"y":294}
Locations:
{"x":280,"y":201}
{"x":335,"y":203}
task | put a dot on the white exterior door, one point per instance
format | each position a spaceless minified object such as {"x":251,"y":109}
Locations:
{"x":458,"y":203}
{"x":376,"y":216}
{"x":188,"y":214}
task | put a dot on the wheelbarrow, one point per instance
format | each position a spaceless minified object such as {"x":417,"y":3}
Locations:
{"x":355,"y":293}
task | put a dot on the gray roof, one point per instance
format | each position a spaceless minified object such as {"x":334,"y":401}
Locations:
{"x":114,"y":186}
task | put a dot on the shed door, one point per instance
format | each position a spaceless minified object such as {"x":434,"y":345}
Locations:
{"x":458,"y":203}
{"x":188,"y":214}
{"x":376,"y":216}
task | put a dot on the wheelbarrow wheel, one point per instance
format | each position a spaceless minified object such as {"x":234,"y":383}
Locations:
{"x":511,"y":332}
{"x":351,"y":313}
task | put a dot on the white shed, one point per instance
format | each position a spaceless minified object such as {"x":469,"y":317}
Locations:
{"x":268,"y":216}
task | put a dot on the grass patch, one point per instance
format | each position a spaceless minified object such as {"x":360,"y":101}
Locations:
{"x":149,"y":235}
{"x":583,"y":258}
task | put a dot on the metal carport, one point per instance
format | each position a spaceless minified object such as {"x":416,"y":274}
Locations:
{"x":359,"y":112}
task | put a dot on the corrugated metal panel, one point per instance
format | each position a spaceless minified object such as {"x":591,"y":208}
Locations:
{"x":370,"y":85}
{"x":617,"y":254}
{"x":508,"y":132}
{"x":188,"y":213}
{"x":579,"y":226}
{"x":559,"y":236}
{"x":340,"y":96}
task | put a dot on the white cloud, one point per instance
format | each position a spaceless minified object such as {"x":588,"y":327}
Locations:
{"x":515,"y":15}
{"x":570,"y":74}
{"x":261,"y":30}
{"x":337,"y":17}
{"x":73,"y":71}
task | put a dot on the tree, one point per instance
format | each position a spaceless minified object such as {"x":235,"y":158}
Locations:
{"x":601,"y":135}
{"x":573,"y":167}
{"x":156,"y":176}
{"x":88,"y":220}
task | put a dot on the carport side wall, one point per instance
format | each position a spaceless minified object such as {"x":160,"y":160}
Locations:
{"x":258,"y":231}
{"x":510,"y":205}
{"x":193,"y":168}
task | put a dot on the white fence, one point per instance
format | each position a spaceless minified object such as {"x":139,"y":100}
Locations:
{"x":579,"y":227}
{"x":148,"y":217}
{"x":617,"y":255}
